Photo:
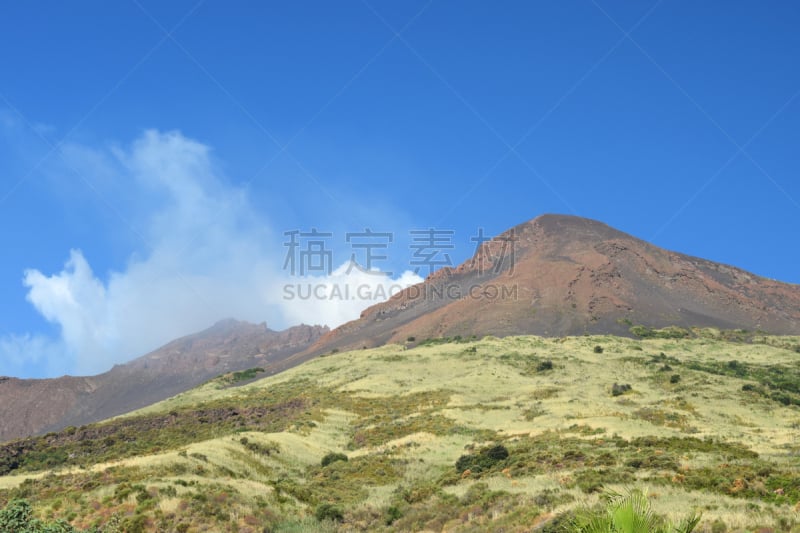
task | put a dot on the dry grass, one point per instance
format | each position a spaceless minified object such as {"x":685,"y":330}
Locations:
{"x":495,"y":389}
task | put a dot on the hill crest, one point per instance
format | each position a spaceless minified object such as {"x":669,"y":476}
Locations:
{"x":569,"y":275}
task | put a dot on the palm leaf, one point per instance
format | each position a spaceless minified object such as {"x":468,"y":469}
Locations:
{"x":628,"y":513}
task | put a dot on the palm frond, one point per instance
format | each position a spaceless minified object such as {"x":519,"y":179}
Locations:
{"x":628,"y":513}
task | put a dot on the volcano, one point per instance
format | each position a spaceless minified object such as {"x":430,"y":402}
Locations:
{"x":560,"y":275}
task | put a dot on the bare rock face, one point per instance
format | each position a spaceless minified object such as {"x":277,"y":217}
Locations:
{"x":569,"y":276}
{"x":33,"y":406}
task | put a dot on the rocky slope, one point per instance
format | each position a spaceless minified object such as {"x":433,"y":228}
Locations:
{"x":31,"y":406}
{"x":569,"y":276}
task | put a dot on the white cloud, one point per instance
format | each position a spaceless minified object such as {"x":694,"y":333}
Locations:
{"x":342,"y":295}
{"x":208,"y":255}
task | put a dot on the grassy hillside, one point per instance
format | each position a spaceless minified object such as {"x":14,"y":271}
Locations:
{"x":494,"y":434}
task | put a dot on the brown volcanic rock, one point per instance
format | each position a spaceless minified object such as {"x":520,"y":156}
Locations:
{"x":571,"y":276}
{"x":34,"y":406}
{"x":29,"y":404}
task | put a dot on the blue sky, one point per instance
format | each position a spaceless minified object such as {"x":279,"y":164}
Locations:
{"x":152,"y":154}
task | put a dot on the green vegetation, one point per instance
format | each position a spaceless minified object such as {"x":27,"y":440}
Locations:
{"x":17,"y":517}
{"x":433,"y":341}
{"x":246,"y":375}
{"x":544,"y":366}
{"x":672,"y":332}
{"x":629,"y":513}
{"x":332,"y":458}
{"x":273,"y":410}
{"x":327,"y":511}
{"x":780,"y":383}
{"x":506,"y":434}
{"x":482,"y":461}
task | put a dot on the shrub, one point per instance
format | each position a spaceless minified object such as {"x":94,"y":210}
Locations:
{"x":674,"y":378}
{"x":483,"y":460}
{"x":620,"y":389}
{"x":498,"y":452}
{"x":332,"y":457}
{"x":17,"y":517}
{"x":244,"y":375}
{"x":258,"y":449}
{"x":544,"y":366}
{"x":598,"y":349}
{"x":393,"y":514}
{"x":328,"y":511}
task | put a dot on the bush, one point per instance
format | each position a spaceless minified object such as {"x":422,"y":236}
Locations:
{"x":328,"y":511}
{"x":332,"y":458}
{"x":17,"y":517}
{"x":620,"y":389}
{"x":674,"y":378}
{"x":393,"y":514}
{"x":498,"y":452}
{"x":244,"y":375}
{"x":598,"y":349}
{"x":544,"y":366}
{"x":483,"y":460}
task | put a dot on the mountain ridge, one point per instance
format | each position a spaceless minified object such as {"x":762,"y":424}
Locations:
{"x":574,"y":276}
{"x":35,"y":406}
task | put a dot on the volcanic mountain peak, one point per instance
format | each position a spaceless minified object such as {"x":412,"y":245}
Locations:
{"x":553,"y":233}
{"x":550,"y":235}
{"x":565,"y":275}
{"x":569,"y":227}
